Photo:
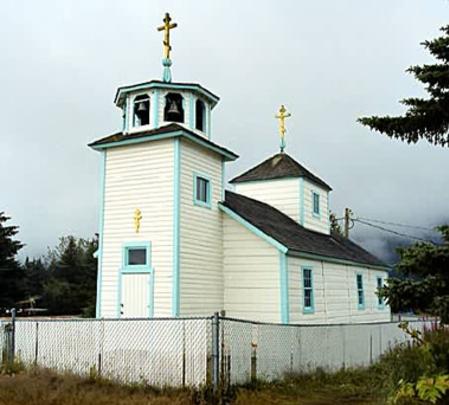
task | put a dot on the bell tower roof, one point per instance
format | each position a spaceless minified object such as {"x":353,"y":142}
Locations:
{"x":123,"y":91}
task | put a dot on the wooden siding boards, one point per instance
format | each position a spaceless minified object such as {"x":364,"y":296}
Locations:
{"x":201,"y":271}
{"x":316,"y":223}
{"x":133,"y":174}
{"x":335,"y":293}
{"x":283,"y":194}
{"x":251,"y":274}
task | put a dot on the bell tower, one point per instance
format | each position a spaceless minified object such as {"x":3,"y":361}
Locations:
{"x":153,"y":104}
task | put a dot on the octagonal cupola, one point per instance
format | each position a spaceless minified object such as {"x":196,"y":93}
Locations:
{"x":156,"y":103}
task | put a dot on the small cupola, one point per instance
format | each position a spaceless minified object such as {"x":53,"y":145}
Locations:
{"x":285,"y":184}
{"x":153,"y":104}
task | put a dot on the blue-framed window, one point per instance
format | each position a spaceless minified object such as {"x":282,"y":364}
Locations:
{"x":136,"y":256}
{"x":307,"y":288}
{"x":380,"y":300}
{"x":315,"y":203}
{"x":360,"y":292}
{"x":202,"y":190}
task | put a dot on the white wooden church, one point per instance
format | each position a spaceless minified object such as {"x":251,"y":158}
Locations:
{"x":174,"y":242}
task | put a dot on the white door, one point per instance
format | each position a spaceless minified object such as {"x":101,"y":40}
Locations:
{"x":135,"y":295}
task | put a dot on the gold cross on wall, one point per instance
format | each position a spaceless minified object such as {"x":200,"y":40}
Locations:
{"x":281,"y":116}
{"x":137,"y":219}
{"x":166,"y":28}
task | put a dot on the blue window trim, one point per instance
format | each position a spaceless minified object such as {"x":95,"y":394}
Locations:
{"x":380,"y":301}
{"x":311,"y":308}
{"x":200,"y":203}
{"x":315,"y":213}
{"x":360,"y":306}
{"x":136,"y":269}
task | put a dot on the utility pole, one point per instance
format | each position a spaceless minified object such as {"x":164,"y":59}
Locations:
{"x":348,"y":215}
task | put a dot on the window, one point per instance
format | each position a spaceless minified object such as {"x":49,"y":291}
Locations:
{"x":307,"y":284}
{"x":200,"y":115}
{"x":141,"y":111}
{"x":136,"y":257}
{"x":202,"y":191}
{"x":360,"y":293}
{"x":316,"y":203}
{"x":380,"y":300}
{"x":174,"y":110}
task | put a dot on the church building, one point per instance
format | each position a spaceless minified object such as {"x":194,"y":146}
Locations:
{"x":176,"y":242}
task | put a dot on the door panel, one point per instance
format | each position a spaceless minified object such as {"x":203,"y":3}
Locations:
{"x":135,"y":295}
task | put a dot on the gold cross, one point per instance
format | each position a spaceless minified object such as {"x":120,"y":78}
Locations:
{"x":137,"y":219}
{"x":281,"y":116}
{"x":166,"y":28}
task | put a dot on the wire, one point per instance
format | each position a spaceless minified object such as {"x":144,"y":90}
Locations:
{"x":397,"y":224}
{"x":404,"y":235}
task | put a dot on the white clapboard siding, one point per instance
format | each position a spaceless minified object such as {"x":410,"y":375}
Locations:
{"x":201,"y":269}
{"x":138,"y":176}
{"x":251,"y":274}
{"x":282,"y":194}
{"x":317,"y":223}
{"x":335,"y":293}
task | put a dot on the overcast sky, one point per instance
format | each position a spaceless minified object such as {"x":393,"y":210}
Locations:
{"x":328,"y":61}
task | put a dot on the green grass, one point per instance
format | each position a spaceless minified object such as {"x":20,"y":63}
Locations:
{"x":45,"y":387}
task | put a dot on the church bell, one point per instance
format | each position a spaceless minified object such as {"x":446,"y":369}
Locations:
{"x":173,"y":109}
{"x":142,"y":107}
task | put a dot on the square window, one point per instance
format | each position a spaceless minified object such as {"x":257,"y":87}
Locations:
{"x":202,"y":191}
{"x":316,"y":203}
{"x":136,"y":257}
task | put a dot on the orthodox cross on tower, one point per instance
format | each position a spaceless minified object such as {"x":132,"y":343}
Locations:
{"x":281,"y":116}
{"x":166,"y":62}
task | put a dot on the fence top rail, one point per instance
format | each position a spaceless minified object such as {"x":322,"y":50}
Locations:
{"x":296,"y":325}
{"x":163,"y":319}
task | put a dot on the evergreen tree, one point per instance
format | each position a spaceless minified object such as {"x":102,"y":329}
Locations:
{"x":425,"y":118}
{"x":11,"y":276}
{"x":425,"y":287}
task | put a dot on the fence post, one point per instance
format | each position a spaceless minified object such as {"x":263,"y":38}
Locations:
{"x":36,"y":344}
{"x":13,"y":336}
{"x":215,"y":350}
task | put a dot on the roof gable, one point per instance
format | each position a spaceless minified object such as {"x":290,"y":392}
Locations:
{"x":167,"y":131}
{"x":279,"y":166}
{"x":297,"y":239}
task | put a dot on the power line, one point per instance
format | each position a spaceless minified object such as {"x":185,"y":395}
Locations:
{"x":397,"y":224}
{"x":404,"y":235}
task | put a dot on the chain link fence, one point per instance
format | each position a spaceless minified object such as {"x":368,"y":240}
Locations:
{"x":195,"y":351}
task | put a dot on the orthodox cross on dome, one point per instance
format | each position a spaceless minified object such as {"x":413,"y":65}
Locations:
{"x":166,"y":62}
{"x":281,"y":116}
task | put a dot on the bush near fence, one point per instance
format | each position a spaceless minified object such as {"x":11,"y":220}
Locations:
{"x":195,"y":351}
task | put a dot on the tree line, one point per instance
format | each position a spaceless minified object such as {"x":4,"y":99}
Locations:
{"x":63,"y":281}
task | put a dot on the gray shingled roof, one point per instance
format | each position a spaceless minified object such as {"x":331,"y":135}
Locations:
{"x":167,"y":129}
{"x":279,"y":166}
{"x":295,"y":237}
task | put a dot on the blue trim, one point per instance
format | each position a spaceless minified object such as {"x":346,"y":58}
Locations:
{"x":174,"y":134}
{"x":316,"y":214}
{"x":155,"y":104}
{"x":311,"y":309}
{"x":380,"y":301}
{"x":126,"y":268}
{"x":301,"y":201}
{"x":126,"y":123}
{"x":191,"y":111}
{"x":205,"y":204}
{"x":283,"y":273}
{"x":100,"y":235}
{"x":223,"y":179}
{"x":172,"y":86}
{"x":136,"y":269}
{"x":209,"y":122}
{"x":176,"y":226}
{"x":360,"y":306}
{"x":253,"y":229}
